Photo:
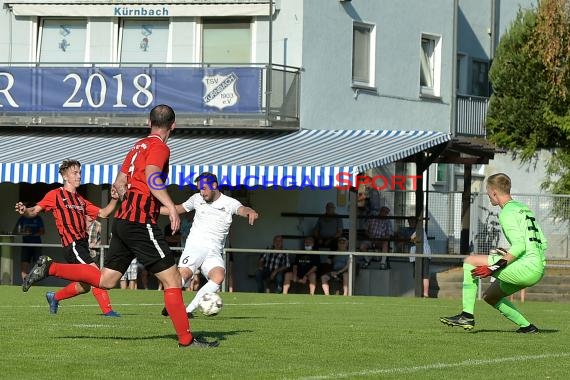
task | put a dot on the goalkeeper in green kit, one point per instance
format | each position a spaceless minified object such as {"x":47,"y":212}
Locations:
{"x":519,"y":267}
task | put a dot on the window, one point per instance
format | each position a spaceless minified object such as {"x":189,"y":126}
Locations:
{"x":480,"y":78}
{"x":441,"y":174}
{"x":144,"y":41}
{"x":63,"y":40}
{"x":226,"y":41}
{"x":461,"y":75}
{"x":430,"y":65}
{"x":363,"y":54}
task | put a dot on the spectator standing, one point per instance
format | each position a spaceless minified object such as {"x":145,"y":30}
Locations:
{"x":425,"y":260}
{"x":31,"y":230}
{"x":328,"y":228}
{"x":94,"y":238}
{"x":129,"y":278}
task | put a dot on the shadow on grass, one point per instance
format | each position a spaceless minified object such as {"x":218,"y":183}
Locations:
{"x":541,"y":331}
{"x":217,"y":335}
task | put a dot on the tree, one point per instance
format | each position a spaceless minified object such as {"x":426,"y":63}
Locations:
{"x":530,"y":106}
{"x":524,"y":115}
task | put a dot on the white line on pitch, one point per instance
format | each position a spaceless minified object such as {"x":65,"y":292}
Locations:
{"x":465,"y":363}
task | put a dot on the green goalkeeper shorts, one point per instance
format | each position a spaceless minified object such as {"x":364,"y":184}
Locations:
{"x":516,"y":276}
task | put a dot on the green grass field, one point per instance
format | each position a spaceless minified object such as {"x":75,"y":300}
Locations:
{"x":268,"y":336}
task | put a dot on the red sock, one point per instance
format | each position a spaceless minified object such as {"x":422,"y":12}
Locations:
{"x":102,"y":297}
{"x":67,"y":292}
{"x":175,"y":306}
{"x":76,"y":272}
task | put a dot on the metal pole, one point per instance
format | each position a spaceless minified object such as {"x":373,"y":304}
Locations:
{"x":352,"y":231}
{"x":269,"y":87}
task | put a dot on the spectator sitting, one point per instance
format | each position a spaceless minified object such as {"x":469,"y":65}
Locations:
{"x":328,"y":228}
{"x":379,"y":231}
{"x":304,"y":269}
{"x":272,"y":267}
{"x":339,"y":269}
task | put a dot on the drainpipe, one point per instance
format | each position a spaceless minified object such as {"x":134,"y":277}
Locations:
{"x":454,"y":79}
{"x":269,"y":66}
{"x":493,"y":30}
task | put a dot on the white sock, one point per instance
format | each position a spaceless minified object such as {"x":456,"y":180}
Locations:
{"x":209,"y":287}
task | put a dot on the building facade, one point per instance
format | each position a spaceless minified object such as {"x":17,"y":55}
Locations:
{"x":93,"y":69}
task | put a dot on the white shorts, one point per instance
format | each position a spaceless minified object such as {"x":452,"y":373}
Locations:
{"x":203,"y":258}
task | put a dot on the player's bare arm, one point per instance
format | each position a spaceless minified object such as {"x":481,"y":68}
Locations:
{"x":120,"y":185}
{"x":28,"y":212}
{"x":179,"y":209}
{"x":107,"y":210}
{"x":159,"y":191}
{"x":248,"y":212}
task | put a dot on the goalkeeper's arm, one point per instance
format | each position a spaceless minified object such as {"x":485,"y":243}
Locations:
{"x":499,"y":251}
{"x":484,"y":271}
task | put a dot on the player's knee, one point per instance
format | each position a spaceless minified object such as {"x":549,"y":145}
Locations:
{"x":185,"y":273}
{"x":83,"y":287}
{"x":491,"y":299}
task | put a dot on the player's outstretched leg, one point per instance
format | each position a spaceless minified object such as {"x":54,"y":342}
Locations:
{"x":465,"y":320}
{"x":507,"y":309}
{"x":38,"y":272}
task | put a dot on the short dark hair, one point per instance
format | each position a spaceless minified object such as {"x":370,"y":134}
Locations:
{"x":66,"y":164}
{"x":207,"y":178}
{"x":162,"y":116}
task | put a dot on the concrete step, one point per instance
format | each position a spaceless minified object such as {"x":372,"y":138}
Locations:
{"x":531,"y":295}
{"x":555,"y":285}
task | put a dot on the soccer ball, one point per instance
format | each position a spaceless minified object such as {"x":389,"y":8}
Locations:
{"x":211,"y":304}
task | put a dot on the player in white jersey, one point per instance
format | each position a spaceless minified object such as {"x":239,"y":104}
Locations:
{"x":205,"y":243}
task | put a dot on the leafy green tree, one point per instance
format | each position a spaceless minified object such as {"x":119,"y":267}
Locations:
{"x":530,"y":106}
{"x":520,"y":117}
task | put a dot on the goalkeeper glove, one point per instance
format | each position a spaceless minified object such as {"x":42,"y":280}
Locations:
{"x":486,"y":271}
{"x":498,"y":251}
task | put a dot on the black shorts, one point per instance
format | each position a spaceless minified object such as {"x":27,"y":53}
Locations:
{"x":78,"y":252}
{"x":143,"y":241}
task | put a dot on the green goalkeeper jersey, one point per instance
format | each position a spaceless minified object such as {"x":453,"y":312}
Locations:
{"x":521,"y":229}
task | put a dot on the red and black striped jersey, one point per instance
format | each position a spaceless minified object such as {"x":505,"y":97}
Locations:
{"x":69,"y":210}
{"x":139,"y":205}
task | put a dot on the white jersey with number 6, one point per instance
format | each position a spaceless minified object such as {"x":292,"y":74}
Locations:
{"x":209,"y":231}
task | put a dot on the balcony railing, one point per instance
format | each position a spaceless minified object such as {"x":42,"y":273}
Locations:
{"x":96,"y":94}
{"x":471,"y":114}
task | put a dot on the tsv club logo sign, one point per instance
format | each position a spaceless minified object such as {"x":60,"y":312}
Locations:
{"x":220,"y":90}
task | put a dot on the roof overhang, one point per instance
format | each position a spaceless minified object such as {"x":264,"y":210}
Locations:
{"x":317,"y":157}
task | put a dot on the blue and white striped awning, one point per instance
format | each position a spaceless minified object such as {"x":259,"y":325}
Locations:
{"x":309,"y":157}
